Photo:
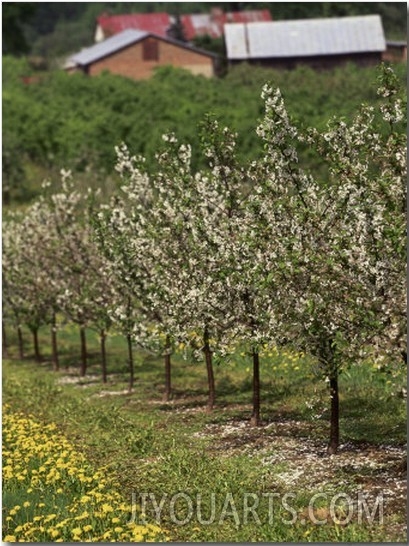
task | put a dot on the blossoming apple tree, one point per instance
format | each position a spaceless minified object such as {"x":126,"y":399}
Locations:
{"x":27,"y":293}
{"x":339,"y":284}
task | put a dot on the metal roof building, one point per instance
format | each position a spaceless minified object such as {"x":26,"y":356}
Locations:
{"x":108,"y":25}
{"x":212,"y":24}
{"x":307,"y":38}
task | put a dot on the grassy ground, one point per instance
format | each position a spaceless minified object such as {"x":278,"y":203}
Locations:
{"x":211,"y":476}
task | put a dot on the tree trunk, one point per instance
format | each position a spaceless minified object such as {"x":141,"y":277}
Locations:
{"x":334,"y":427}
{"x":4,"y":341}
{"x":255,"y":418}
{"x":103,"y":356}
{"x":168,"y":380}
{"x":54,"y":347}
{"x":20,"y":342}
{"x":83,"y":369}
{"x":209,"y":367}
{"x":131,"y":363}
{"x":37,"y":354}
{"x":6,"y":197}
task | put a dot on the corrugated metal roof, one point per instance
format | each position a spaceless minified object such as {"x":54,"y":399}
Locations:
{"x":304,"y":38}
{"x":212,"y":24}
{"x":108,"y":46}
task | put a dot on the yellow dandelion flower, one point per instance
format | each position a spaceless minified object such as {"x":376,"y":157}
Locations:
{"x":118,"y":529}
{"x":26,"y":504}
{"x":10,"y":538}
{"x":87,"y":528}
{"x":115,"y":520}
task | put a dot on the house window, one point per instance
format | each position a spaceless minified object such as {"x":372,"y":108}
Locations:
{"x":150,"y":50}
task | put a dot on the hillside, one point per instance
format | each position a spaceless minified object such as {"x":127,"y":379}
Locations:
{"x":72,"y":122}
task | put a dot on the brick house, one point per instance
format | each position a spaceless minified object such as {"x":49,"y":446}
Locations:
{"x":319,"y":43}
{"x":135,"y":54}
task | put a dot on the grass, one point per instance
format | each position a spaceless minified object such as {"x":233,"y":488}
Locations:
{"x":210,"y":476}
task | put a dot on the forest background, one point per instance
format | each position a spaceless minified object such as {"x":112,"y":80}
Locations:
{"x":52,"y":120}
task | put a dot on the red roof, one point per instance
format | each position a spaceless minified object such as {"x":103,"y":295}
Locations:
{"x":157,"y":23}
{"x":212,"y":24}
{"x":194,"y":25}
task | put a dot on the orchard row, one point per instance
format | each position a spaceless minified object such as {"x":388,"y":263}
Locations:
{"x":256,"y":253}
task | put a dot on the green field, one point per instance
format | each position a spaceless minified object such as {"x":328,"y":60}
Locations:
{"x":210,"y":476}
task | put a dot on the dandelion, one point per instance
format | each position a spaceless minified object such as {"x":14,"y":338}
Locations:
{"x":41,"y":448}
